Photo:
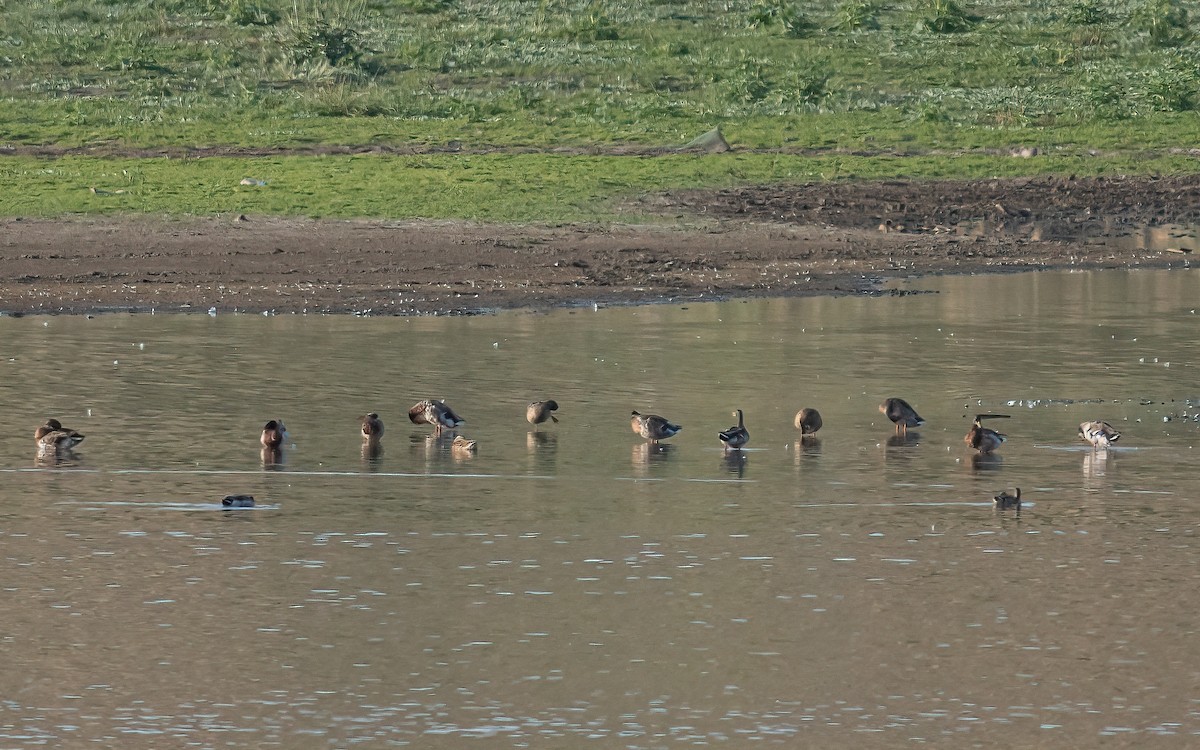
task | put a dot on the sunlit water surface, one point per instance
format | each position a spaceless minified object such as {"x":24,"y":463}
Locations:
{"x":571,"y":587}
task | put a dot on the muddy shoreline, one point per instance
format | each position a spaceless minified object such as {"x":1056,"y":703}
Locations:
{"x":844,"y":238}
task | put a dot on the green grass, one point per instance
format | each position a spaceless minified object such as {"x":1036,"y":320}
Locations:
{"x":805,"y":83}
{"x":494,"y":187}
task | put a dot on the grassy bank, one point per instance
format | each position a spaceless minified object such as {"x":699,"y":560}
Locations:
{"x":489,"y":187}
{"x":1098,"y":87}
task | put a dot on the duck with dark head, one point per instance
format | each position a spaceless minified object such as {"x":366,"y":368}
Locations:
{"x":983,"y":439}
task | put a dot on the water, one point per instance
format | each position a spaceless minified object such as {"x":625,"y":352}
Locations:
{"x":572,"y":587}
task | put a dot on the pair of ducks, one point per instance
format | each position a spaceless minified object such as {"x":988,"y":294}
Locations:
{"x":428,"y":411}
{"x":1098,"y":433}
{"x":982,"y":439}
{"x":438,"y":413}
{"x":654,"y":428}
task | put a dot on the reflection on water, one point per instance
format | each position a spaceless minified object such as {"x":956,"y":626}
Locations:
{"x":272,"y":457}
{"x":986,"y":461}
{"x":735,"y":462}
{"x":856,"y":589}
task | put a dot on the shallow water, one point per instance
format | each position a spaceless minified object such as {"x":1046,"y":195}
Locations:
{"x":572,"y":586}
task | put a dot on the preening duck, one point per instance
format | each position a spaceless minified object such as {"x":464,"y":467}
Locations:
{"x":540,"y":411}
{"x":808,"y":421}
{"x":652,"y":427}
{"x":983,"y":439}
{"x":436,"y":413}
{"x":1099,"y":434}
{"x":274,"y":434}
{"x":371,"y":426}
{"x":898,"y":410}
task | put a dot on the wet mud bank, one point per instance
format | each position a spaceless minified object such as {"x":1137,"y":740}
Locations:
{"x":841,"y":238}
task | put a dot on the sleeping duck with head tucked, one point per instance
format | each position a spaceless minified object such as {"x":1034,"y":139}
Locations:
{"x":52,"y":437}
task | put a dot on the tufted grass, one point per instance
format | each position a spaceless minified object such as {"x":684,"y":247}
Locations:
{"x":814,"y":89}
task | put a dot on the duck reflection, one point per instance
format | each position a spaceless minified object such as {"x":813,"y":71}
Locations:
{"x":538,"y":441}
{"x":1096,"y":465}
{"x":272,"y":458}
{"x":543,"y":450}
{"x":432,"y":447}
{"x":807,"y":448}
{"x":986,"y":462}
{"x":904,"y":440}
{"x":56,"y":459}
{"x":734,"y":463}
{"x":647,"y":456}
{"x":900,"y":448}
{"x":372,"y":453}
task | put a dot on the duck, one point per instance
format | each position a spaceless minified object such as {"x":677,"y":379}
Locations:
{"x":463,"y":445}
{"x":539,"y":411}
{"x":1099,"y":434}
{"x":53,"y":437}
{"x":898,"y":410}
{"x":274,"y":434}
{"x":983,"y":439}
{"x":737,"y":436}
{"x":653,"y":427}
{"x":1004,"y":501}
{"x":238,"y":501}
{"x":372,"y":426}
{"x":808,"y":421}
{"x":436,"y":413}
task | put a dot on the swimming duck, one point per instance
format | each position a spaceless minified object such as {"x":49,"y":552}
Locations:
{"x":372,"y":426}
{"x":652,"y":427}
{"x":539,"y":411}
{"x":1004,"y":501}
{"x":737,"y":436}
{"x":808,"y":421}
{"x":983,"y":439}
{"x":238,"y":501}
{"x":53,"y":437}
{"x":274,"y":434}
{"x":462,"y":445}
{"x":436,"y":413}
{"x":898,"y":410}
{"x":1099,"y":434}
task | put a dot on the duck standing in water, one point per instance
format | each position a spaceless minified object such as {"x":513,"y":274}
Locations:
{"x":540,"y":411}
{"x":274,"y":434}
{"x":436,"y":413}
{"x":1099,"y":434}
{"x":903,"y":415}
{"x":983,"y":439}
{"x":371,"y":427}
{"x":652,"y":427}
{"x":52,"y":437}
{"x":737,"y":436}
{"x":808,"y":421}
{"x":1005,"y":501}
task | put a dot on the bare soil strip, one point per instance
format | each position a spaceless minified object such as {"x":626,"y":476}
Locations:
{"x":841,"y":238}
